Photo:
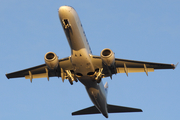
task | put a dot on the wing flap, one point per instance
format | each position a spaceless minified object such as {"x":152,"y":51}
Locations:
{"x":133,"y":70}
{"x":42,"y":75}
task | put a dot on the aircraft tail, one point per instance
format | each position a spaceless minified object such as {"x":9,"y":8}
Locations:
{"x":111,"y":109}
{"x":106,"y":87}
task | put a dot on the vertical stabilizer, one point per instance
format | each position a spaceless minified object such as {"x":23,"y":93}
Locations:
{"x":106,"y":87}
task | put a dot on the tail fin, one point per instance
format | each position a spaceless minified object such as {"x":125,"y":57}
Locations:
{"x":106,"y":87}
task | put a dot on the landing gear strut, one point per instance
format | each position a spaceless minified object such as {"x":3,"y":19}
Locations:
{"x":71,"y":77}
{"x":99,"y":75}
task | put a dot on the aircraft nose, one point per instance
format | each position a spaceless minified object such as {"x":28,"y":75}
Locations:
{"x":64,"y":10}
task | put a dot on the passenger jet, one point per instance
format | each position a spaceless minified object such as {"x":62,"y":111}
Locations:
{"x":87,"y":68}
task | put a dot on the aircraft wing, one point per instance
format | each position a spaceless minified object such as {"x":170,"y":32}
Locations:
{"x":130,"y":66}
{"x":41,"y":71}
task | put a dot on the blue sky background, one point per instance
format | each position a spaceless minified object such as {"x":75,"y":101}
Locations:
{"x":133,"y":29}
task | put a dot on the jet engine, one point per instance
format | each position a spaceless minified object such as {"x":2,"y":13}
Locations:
{"x":51,"y":60}
{"x":108,"y":57}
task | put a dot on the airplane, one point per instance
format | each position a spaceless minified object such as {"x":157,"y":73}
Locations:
{"x":87,"y":68}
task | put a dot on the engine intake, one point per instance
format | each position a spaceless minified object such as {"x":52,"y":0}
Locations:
{"x":51,"y":60}
{"x":108,"y":57}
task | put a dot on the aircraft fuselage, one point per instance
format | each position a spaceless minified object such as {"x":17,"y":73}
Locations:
{"x":81,"y":57}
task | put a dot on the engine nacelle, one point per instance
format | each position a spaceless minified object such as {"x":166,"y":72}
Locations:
{"x":108,"y":57}
{"x":51,"y":60}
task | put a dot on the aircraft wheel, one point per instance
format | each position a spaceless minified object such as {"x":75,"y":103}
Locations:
{"x":70,"y":81}
{"x":75,"y":80}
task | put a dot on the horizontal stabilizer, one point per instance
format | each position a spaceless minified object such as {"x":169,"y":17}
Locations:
{"x":111,"y":109}
{"x":89,"y":110}
{"x":119,"y":109}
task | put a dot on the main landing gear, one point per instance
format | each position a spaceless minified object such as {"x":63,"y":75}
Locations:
{"x":99,"y":75}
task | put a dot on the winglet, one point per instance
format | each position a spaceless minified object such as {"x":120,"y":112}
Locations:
{"x":176,"y":65}
{"x":7,"y":76}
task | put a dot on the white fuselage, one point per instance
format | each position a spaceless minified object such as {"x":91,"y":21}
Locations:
{"x":81,"y":57}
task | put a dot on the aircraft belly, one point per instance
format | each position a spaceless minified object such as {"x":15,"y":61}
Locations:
{"x":81,"y":62}
{"x":96,"y":93}
{"x":98,"y":98}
